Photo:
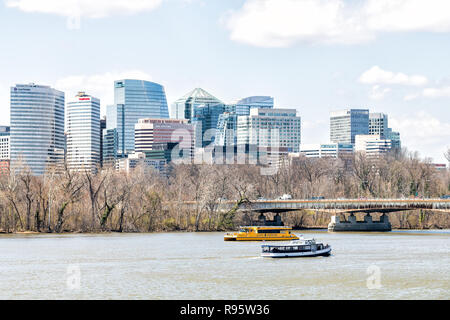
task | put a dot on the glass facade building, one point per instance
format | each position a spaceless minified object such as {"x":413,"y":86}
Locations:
{"x":134,"y":100}
{"x":202,"y":110}
{"x":244,"y":106}
{"x":346,"y":124}
{"x":37,"y":127}
{"x":83,"y":133}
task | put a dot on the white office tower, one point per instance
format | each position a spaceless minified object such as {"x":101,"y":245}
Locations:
{"x":270,"y":128}
{"x":373,"y":146}
{"x":37,"y":128}
{"x":83,"y":133}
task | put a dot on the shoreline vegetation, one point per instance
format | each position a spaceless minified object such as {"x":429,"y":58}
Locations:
{"x":143,"y":200}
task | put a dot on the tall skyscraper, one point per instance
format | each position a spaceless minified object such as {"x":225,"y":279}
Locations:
{"x":134,"y":100}
{"x":202,"y":110}
{"x":83,"y":133}
{"x":37,"y":127}
{"x":346,"y":124}
{"x":270,"y":128}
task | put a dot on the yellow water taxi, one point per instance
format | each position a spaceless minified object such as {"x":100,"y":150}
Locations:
{"x":261,"y":234}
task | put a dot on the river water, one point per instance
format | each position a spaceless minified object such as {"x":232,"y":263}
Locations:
{"x":395,"y":265}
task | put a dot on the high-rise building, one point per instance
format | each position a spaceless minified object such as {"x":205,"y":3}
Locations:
{"x":134,"y":100}
{"x":184,"y":108}
{"x":37,"y":127}
{"x":346,"y":124}
{"x":152,"y":132}
{"x":202,"y":110}
{"x":372,"y":146}
{"x":83,"y":133}
{"x":378,"y":124}
{"x":270,"y":128}
{"x":110,"y":146}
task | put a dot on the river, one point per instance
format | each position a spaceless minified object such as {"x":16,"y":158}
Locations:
{"x":394,"y":265}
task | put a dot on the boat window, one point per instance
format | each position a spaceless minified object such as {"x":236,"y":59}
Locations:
{"x":269,"y":231}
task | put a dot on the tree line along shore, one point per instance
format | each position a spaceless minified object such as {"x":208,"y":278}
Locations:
{"x":143,"y":200}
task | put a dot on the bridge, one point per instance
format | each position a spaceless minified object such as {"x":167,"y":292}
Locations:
{"x":336,"y":205}
{"x":339,"y":206}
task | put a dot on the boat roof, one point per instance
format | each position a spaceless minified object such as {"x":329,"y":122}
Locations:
{"x":293,"y":243}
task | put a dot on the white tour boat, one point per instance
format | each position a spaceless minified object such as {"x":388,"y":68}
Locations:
{"x":294,"y":249}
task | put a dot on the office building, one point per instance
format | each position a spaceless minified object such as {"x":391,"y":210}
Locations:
{"x":372,"y":146}
{"x":378,"y":124}
{"x":270,"y":128}
{"x":134,"y":100}
{"x":83,"y":133}
{"x":202,"y":110}
{"x":110,"y":146}
{"x":226,"y":132}
{"x":328,"y":150}
{"x":346,"y":124}
{"x":152,"y":132}
{"x":4,"y":143}
{"x":37,"y":127}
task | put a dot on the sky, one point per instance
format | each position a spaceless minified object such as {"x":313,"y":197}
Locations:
{"x":312,"y":55}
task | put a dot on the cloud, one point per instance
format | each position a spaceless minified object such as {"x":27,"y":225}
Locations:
{"x":98,"y":85}
{"x":436,"y":92}
{"x":442,"y":92}
{"x":376,"y":75}
{"x":422,"y":131}
{"x":73,"y":10}
{"x":282,"y":23}
{"x":378,"y":93}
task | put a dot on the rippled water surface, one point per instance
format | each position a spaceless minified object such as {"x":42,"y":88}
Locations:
{"x":395,"y":265}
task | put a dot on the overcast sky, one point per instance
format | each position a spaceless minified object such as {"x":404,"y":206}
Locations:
{"x":312,"y":55}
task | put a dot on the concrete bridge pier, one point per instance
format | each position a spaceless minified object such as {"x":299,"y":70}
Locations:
{"x":336,"y":225}
{"x":263,"y":221}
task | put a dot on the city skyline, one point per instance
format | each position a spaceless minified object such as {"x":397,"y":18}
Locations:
{"x":395,"y":67}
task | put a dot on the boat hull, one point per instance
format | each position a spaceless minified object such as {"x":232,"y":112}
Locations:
{"x":318,"y":253}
